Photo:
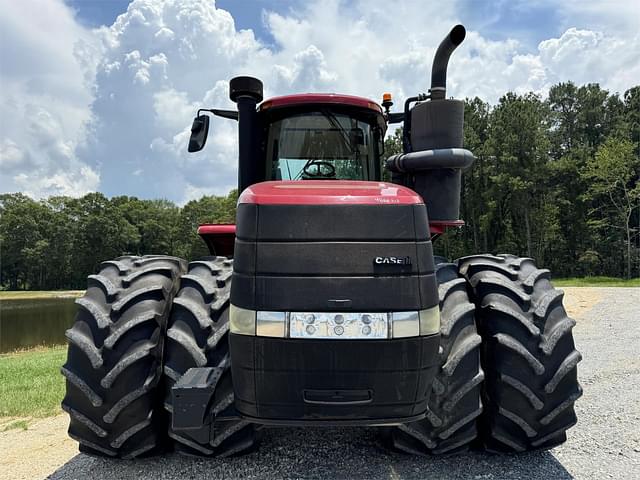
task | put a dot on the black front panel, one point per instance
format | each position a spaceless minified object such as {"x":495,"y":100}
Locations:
{"x":313,"y":293}
{"x":360,"y":258}
{"x":332,"y":258}
{"x":305,"y":257}
{"x":288,"y":380}
{"x":331,"y":223}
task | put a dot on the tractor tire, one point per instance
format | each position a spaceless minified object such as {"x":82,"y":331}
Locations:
{"x":198,"y":336}
{"x":528,"y":354}
{"x":114,"y":360}
{"x":454,"y":403}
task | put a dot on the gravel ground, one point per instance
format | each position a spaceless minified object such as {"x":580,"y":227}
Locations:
{"x":604,"y":444}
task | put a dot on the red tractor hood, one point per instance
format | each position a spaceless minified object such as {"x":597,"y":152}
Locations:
{"x":329,"y":192}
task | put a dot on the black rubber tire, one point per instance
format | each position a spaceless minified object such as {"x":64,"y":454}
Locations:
{"x":454,"y":403}
{"x":114,"y":360}
{"x":528,"y":354}
{"x":198,"y":336}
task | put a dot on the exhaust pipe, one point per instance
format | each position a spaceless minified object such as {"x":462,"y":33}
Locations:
{"x":441,"y":60}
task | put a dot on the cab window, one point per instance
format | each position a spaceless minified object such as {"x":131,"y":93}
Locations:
{"x":320,"y":145}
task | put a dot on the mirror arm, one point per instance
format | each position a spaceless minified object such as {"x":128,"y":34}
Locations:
{"x":395,"y":117}
{"x":230,"y":114}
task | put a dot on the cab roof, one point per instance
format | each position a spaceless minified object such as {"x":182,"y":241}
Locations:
{"x":320,"y":98}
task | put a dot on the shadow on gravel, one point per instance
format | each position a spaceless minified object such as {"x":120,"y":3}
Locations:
{"x":331,"y":453}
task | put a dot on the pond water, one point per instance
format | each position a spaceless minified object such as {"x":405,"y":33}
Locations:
{"x":28,"y":323}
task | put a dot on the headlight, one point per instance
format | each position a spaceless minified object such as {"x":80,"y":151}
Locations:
{"x":242,"y":321}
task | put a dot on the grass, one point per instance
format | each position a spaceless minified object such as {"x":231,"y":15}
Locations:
{"x":16,"y":425}
{"x":33,"y":294}
{"x":31,"y":384}
{"x":596,"y":282}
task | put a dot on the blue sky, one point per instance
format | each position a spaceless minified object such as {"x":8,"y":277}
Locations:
{"x":500,"y":19}
{"x":246,"y":13}
{"x":101,"y":93}
{"x":94,"y":13}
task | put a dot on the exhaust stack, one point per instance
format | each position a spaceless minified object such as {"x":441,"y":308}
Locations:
{"x":441,"y":61}
{"x":433,"y":157}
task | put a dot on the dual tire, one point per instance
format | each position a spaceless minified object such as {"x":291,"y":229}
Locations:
{"x":507,"y":379}
{"x":142,"y":323}
{"x":114,"y":359}
{"x":528,"y":354}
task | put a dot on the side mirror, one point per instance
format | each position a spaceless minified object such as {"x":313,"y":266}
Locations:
{"x":199,"y":131}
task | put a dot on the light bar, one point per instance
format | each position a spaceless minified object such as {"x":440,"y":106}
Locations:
{"x":335,"y":325}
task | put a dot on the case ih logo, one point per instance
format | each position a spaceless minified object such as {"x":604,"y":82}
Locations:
{"x":392,"y":260}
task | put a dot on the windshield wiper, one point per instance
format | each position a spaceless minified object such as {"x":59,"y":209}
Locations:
{"x":336,"y":124}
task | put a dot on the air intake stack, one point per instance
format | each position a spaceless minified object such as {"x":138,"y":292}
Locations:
{"x":247,"y":93}
{"x":434,"y":158}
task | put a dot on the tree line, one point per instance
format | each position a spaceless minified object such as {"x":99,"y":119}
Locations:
{"x":55,"y":243}
{"x":555,"y":179}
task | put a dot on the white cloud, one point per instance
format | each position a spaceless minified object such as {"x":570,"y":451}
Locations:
{"x":146,"y":75}
{"x":161,"y":61}
{"x":587,"y":56}
{"x":45,"y":99}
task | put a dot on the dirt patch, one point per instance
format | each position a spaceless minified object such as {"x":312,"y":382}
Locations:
{"x":579,"y":300}
{"x":37,"y":451}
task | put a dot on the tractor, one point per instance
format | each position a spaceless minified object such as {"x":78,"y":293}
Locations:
{"x":324,"y":304}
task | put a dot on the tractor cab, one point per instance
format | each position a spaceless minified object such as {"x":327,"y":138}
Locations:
{"x":301,"y":137}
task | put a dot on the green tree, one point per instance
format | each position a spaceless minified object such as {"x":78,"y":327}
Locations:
{"x":208,"y":209}
{"x":155,"y":221}
{"x":475,"y":180}
{"x":519,"y":144}
{"x":392,"y":146}
{"x":632,"y":115}
{"x":101,"y":232}
{"x":614,"y":190}
{"x":35,"y":265}
{"x":60,"y":230}
{"x":569,"y":153}
{"x":20,"y":228}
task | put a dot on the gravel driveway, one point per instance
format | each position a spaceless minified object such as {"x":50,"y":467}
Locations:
{"x":604,"y":444}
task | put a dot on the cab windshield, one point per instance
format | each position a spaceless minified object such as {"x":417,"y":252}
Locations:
{"x":321,"y":145}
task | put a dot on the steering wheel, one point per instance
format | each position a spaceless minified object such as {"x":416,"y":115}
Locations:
{"x":323,"y":169}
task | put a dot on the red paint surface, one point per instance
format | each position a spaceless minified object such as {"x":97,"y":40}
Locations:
{"x":329,"y":192}
{"x":438,"y":227}
{"x":209,"y":229}
{"x":219,"y":238}
{"x":305,"y":98}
